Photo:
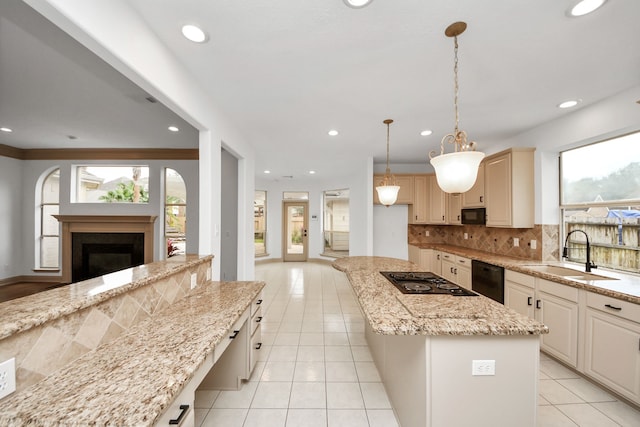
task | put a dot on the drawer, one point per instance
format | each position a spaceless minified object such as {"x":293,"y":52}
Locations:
{"x":563,"y":291}
{"x":623,"y":309}
{"x":447,"y":256}
{"x":256,"y":304}
{"x":256,"y":319}
{"x":256,"y":346}
{"x":226,"y":338}
{"x":519,"y":278}
{"x":465,"y":262}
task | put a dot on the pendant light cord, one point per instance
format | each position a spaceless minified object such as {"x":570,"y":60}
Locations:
{"x":455,"y":85}
{"x":388,"y":170}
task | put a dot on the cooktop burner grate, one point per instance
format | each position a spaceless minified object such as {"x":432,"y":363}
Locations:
{"x":424,"y":283}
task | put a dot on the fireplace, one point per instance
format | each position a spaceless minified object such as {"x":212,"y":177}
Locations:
{"x":96,"y":254}
{"x":93,"y":245}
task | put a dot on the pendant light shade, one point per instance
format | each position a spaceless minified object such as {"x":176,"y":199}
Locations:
{"x":387,"y":188}
{"x":456,"y":172}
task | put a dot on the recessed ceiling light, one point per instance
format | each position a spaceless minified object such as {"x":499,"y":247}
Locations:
{"x":173,"y":128}
{"x":312,"y":172}
{"x":193,"y":33}
{"x":357,"y":4}
{"x":426,"y":132}
{"x":333,"y":132}
{"x":267,"y":171}
{"x":584,"y":7}
{"x":569,"y":104}
{"x":6,"y":130}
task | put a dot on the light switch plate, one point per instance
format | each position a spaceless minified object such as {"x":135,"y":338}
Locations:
{"x":516,"y":242}
{"x":534,"y":244}
{"x":483,"y":367}
{"x":7,"y":377}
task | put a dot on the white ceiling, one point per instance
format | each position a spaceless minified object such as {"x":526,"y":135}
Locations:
{"x":287,"y":71}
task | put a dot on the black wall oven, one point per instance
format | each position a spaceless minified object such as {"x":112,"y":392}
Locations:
{"x":488,"y":280}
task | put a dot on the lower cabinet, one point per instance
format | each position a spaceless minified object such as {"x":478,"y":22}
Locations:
{"x":553,"y":304}
{"x":421,"y":257}
{"x":612,"y":344}
{"x":456,"y":269}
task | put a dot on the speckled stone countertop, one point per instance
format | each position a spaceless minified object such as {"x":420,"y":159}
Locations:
{"x":132,"y":380}
{"x":623,"y":286}
{"x":389,"y":312}
{"x":24,"y":313}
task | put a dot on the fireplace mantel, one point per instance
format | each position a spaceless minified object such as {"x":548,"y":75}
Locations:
{"x":103,"y":224}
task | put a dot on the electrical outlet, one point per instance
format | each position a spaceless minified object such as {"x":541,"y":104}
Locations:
{"x":7,"y":377}
{"x":466,"y":236}
{"x":516,"y":242}
{"x":426,"y":233}
{"x":534,"y":244}
{"x":483,"y":367}
{"x":194,"y":278}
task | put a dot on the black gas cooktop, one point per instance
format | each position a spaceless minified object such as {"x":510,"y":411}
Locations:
{"x":425,"y":283}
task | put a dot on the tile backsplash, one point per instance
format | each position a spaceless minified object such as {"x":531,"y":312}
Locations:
{"x":493,"y":240}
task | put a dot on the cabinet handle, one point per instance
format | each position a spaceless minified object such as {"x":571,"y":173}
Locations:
{"x":455,"y":271}
{"x":258,"y":346}
{"x":613,"y":307}
{"x":538,"y":306}
{"x":259,"y":302}
{"x":451,"y":270}
{"x":481,"y":197}
{"x":259,"y":319}
{"x":443,"y":217}
{"x":529,"y":300}
{"x":235,"y":334}
{"x":416,"y":217}
{"x":183,"y":411}
{"x":458,"y":217}
{"x":438,"y":257}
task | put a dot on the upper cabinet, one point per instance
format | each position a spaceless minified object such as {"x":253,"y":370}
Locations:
{"x":455,"y":201}
{"x":437,"y":202}
{"x":419,"y":210}
{"x":405,"y":195}
{"x":509,"y":188}
{"x":474,"y":198}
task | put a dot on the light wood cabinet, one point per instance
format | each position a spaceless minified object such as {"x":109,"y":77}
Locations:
{"x":419,"y":210}
{"x":553,"y":304}
{"x":456,"y":269}
{"x":455,"y":204}
{"x":612,"y":344}
{"x":436,"y":262}
{"x":405,"y":194}
{"x":509,"y":189}
{"x":437,"y":202}
{"x":474,"y":198}
{"x":421,"y":257}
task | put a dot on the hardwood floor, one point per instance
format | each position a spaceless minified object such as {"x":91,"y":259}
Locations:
{"x":19,"y":290}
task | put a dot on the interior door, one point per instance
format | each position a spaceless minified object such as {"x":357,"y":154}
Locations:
{"x":295,"y":229}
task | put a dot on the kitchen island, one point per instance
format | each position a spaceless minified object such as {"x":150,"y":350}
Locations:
{"x":425,"y":346}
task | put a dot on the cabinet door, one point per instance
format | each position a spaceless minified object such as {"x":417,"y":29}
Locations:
{"x":519,"y":298}
{"x":419,"y":211}
{"x":437,"y":203}
{"x":474,"y":198}
{"x":436,"y":262}
{"x":455,"y":203}
{"x":498,"y":189}
{"x":405,"y":195}
{"x":561,"y":316}
{"x":414,"y":254}
{"x":425,"y":259}
{"x":613,"y":353}
{"x":449,"y":270}
{"x":463,"y":277}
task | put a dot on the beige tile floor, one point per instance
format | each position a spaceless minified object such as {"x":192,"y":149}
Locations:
{"x":315,"y":369}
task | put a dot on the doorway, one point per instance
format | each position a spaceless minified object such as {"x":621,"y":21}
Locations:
{"x":295,"y":228}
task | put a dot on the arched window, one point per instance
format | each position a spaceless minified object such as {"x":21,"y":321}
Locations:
{"x":175,"y":213}
{"x":48,"y":243}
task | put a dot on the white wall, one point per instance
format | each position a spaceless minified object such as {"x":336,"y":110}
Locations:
{"x":11,"y":194}
{"x":150,"y":65}
{"x":390,"y":231}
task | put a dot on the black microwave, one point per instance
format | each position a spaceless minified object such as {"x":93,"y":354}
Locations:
{"x":474,"y":216}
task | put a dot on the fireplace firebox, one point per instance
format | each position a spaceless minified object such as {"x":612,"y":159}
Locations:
{"x":96,"y":254}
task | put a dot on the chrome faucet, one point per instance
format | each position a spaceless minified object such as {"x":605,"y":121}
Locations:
{"x":565,"y":251}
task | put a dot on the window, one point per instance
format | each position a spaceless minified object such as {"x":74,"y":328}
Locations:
{"x":260,"y":223}
{"x":49,"y":239}
{"x":175,"y":213}
{"x":336,"y":223}
{"x":112,"y":184}
{"x":600,"y":195}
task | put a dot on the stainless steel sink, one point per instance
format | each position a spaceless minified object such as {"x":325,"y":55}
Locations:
{"x":567,"y":272}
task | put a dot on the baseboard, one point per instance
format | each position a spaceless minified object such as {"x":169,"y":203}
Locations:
{"x":267,"y":260}
{"x":31,"y":279}
{"x":316,"y":260}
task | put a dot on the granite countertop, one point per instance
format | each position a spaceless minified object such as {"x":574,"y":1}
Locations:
{"x":390,"y":312}
{"x":133,"y":379}
{"x":623,"y":286}
{"x":24,"y":313}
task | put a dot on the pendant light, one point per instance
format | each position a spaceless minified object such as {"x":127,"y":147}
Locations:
{"x":456,"y":172}
{"x":387,"y":188}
